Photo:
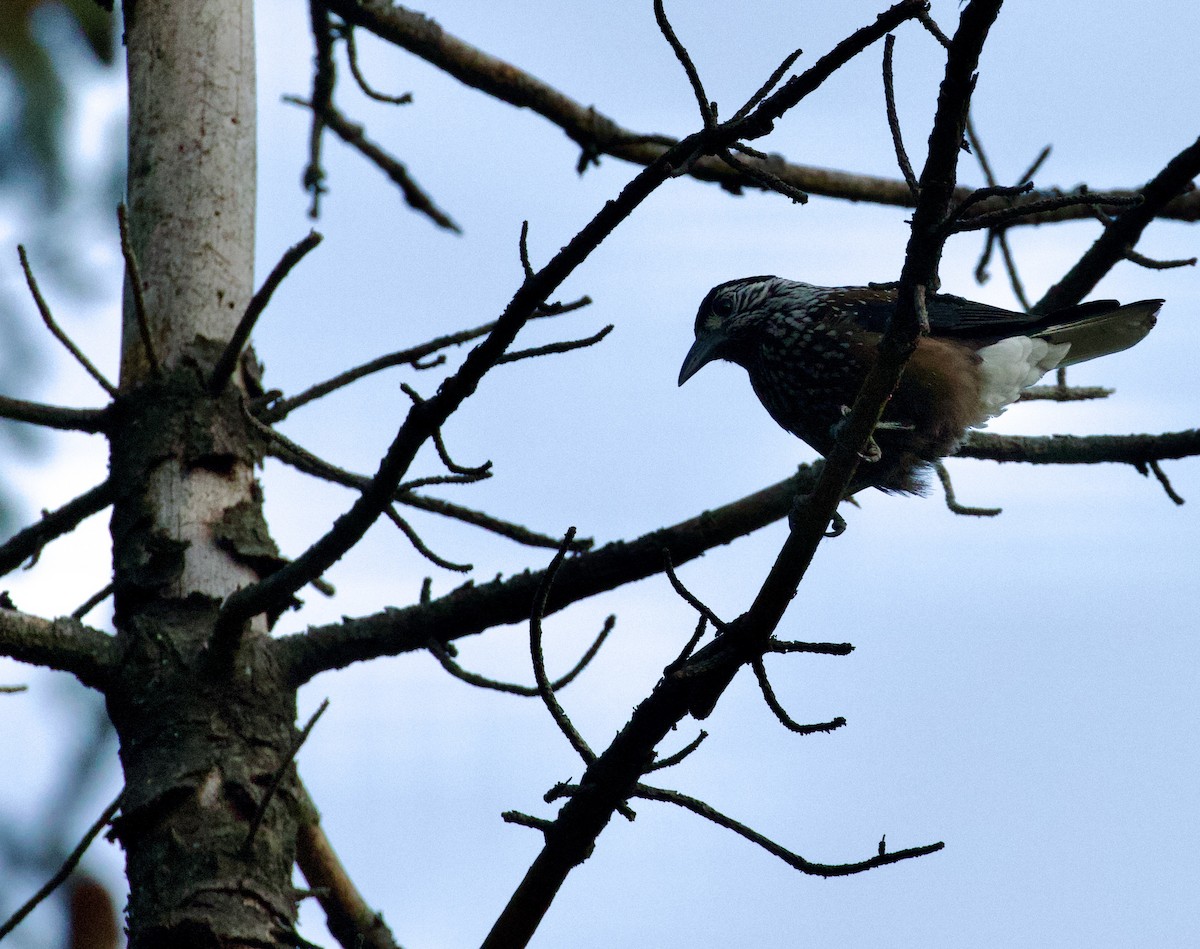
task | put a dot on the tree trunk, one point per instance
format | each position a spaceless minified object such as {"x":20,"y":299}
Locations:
{"x":202,"y":735}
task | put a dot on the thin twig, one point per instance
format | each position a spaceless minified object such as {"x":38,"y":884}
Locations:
{"x":765,"y":89}
{"x":550,"y":349}
{"x":227,"y":363}
{"x":92,"y":602}
{"x":324,"y":77}
{"x":671,"y":760}
{"x":353,"y":135}
{"x":65,"y":870}
{"x":773,"y":703}
{"x":277,"y":777}
{"x":688,"y":596}
{"x":135,"y":283}
{"x":477,"y":472}
{"x":821,"y":649}
{"x":353,"y":923}
{"x":371,"y":93}
{"x":57,"y":331}
{"x":791,"y":859}
{"x":889,"y":95}
{"x":28,"y":543}
{"x":708,"y":114}
{"x":421,"y":547}
{"x":1151,"y":264}
{"x":539,"y":660}
{"x":952,"y":502}
{"x":523,"y":250}
{"x":443,"y":655}
{"x":1003,"y":216}
{"x":280,"y":409}
{"x":1164,"y":481}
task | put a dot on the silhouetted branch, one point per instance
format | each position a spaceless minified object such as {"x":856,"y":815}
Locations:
{"x":63,"y":644}
{"x":354,"y":136}
{"x":281,"y":408}
{"x":1064,"y":393}
{"x":56,"y":330}
{"x":794,"y":860}
{"x":671,"y":760}
{"x":598,"y":134}
{"x":133,"y":271}
{"x":444,"y":655}
{"x":1123,"y":233}
{"x":776,"y":707}
{"x":29,"y":542}
{"x":350,"y":920}
{"x":544,"y":687}
{"x":227,"y":362}
{"x":54,"y":416}
{"x":889,"y":96}
{"x":277,"y":778}
{"x":952,"y":502}
{"x":64,"y":871}
{"x":369,"y":91}
{"x":1161,"y":475}
{"x":1080,"y":449}
{"x":324,"y":77}
{"x":421,"y":547}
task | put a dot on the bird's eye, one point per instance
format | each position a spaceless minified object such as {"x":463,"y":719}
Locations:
{"x":722,"y":306}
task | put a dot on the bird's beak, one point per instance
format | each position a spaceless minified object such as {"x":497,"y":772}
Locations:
{"x":703,"y":351}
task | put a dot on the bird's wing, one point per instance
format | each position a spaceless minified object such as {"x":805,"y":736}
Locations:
{"x":957,"y":317}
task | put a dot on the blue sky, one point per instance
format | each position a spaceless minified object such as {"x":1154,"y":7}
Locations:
{"x":1023,"y":687}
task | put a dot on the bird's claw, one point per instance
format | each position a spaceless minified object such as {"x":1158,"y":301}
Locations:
{"x":837,"y":524}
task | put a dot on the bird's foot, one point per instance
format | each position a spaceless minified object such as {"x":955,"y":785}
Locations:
{"x":837,"y":525}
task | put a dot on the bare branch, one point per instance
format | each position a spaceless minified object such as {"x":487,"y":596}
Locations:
{"x":63,"y":644}
{"x":422,"y":548}
{"x":354,"y":136}
{"x":29,"y":542}
{"x":64,"y":871}
{"x":54,"y":416}
{"x":1081,"y":449}
{"x":1064,"y":393}
{"x":442,"y":653}
{"x":133,"y":271}
{"x":598,"y":134}
{"x":370,"y":92}
{"x":952,"y":502}
{"x":277,"y":777}
{"x":280,"y":409}
{"x":549,"y":349}
{"x":794,"y":860}
{"x":776,"y":707}
{"x":544,"y":687}
{"x":671,"y":760}
{"x":1165,"y":482}
{"x":690,"y":598}
{"x":1123,"y":234}
{"x":1151,"y":264}
{"x":708,"y":111}
{"x":324,"y":77}
{"x":227,"y":363}
{"x":56,"y":330}
{"x":889,"y":95}
{"x":92,"y":602}
{"x":351,"y":921}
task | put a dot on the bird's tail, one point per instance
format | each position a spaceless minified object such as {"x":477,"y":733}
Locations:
{"x":1100,"y":334}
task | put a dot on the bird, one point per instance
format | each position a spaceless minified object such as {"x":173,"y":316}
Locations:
{"x":808,"y":348}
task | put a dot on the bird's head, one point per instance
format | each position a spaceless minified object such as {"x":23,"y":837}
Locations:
{"x":728,"y":320}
